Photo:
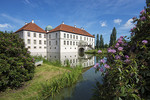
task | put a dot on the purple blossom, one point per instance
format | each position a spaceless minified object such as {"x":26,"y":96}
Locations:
{"x":111,"y":50}
{"x":33,"y":59}
{"x":120,"y":41}
{"x":144,"y":41}
{"x":117,"y":44}
{"x":120,"y":48}
{"x":127,"y":61}
{"x":107,"y":66}
{"x":143,"y":11}
{"x":102,"y":61}
{"x":143,"y":18}
{"x":101,"y":69}
{"x":96,"y":65}
{"x":99,"y":51}
{"x":117,"y":57}
{"x":126,"y":56}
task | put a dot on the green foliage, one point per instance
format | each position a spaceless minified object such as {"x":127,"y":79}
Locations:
{"x":113,"y":37}
{"x":16,"y":64}
{"x":101,"y":44}
{"x":128,"y":77}
{"x":97,"y":42}
{"x":55,"y":85}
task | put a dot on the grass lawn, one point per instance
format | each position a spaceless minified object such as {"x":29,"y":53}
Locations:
{"x":31,"y":88}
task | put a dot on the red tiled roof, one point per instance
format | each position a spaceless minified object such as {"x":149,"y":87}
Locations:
{"x":67,"y":28}
{"x":31,"y":27}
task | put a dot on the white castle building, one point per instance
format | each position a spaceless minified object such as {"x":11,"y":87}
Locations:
{"x":62,"y":39}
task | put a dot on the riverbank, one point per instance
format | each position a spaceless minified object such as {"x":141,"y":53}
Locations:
{"x":45,"y":74}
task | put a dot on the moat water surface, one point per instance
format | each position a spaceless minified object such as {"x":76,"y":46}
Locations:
{"x":83,"y":89}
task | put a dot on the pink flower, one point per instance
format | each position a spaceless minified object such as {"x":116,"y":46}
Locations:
{"x":117,"y":44}
{"x":117,"y":57}
{"x":127,"y":61}
{"x":111,"y":51}
{"x":144,"y":41}
{"x":120,"y":48}
{"x":99,"y":51}
{"x":96,"y":65}
{"x":107,"y":66}
{"x":121,"y":36}
{"x":143,"y":18}
{"x":101,"y":69}
{"x":126,"y":56}
{"x":102,"y":61}
{"x":143,"y":11}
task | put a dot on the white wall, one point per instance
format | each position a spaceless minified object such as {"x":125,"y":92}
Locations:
{"x":35,"y":49}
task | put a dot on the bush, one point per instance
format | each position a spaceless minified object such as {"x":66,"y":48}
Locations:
{"x":16,"y":64}
{"x":127,"y":74}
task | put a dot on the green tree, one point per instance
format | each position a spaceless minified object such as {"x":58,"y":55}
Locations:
{"x":113,"y":37}
{"x":97,"y":41}
{"x":101,"y":43}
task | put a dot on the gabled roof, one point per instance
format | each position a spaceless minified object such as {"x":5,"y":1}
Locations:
{"x":67,"y":28}
{"x":31,"y":27}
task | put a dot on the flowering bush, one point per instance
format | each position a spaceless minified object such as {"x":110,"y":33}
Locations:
{"x":127,"y":73}
{"x":16,"y":64}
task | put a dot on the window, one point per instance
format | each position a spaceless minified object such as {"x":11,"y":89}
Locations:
{"x":56,"y":35}
{"x":87,"y":38}
{"x":40,"y":47}
{"x":28,"y":47}
{"x":70,"y":48}
{"x":44,"y":42}
{"x":44,"y":47}
{"x":73,"y":43}
{"x":44,"y":35}
{"x":55,"y":47}
{"x":28,"y":34}
{"x":70,"y":42}
{"x":64,"y":42}
{"x":50,"y":36}
{"x":29,"y":41}
{"x":64,"y":35}
{"x":56,"y":42}
{"x":35,"y":47}
{"x":49,"y":42}
{"x":76,"y":37}
{"x":67,"y":42}
{"x":84,"y":38}
{"x":40,"y":42}
{"x":34,"y":41}
{"x":34,"y":34}
{"x":71,"y":36}
{"x":76,"y":43}
{"x":80,"y":37}
{"x":40,"y":35}
{"x":67,"y":35}
{"x":50,"y":47}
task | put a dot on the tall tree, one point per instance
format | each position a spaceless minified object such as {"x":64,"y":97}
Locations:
{"x":97,"y":41}
{"x":101,"y":44}
{"x":113,"y":37}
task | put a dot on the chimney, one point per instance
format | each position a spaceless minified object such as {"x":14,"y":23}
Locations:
{"x":75,"y":26}
{"x":32,"y":21}
{"x":26,"y":23}
{"x":63,"y":22}
{"x":82,"y":28}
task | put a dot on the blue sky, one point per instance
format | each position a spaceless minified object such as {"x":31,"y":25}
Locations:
{"x":96,"y":16}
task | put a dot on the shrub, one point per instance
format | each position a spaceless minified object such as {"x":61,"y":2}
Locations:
{"x":16,"y":64}
{"x":127,"y":74}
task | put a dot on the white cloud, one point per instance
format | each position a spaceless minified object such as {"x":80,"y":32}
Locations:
{"x":128,"y":25}
{"x":13,"y":19}
{"x":5,"y":25}
{"x":103,"y":24}
{"x":27,"y":1}
{"x":117,"y":21}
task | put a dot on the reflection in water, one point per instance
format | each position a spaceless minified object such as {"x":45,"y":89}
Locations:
{"x":83,"y":89}
{"x":73,"y":58}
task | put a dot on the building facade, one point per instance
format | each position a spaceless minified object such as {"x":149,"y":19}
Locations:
{"x":63,"y":38}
